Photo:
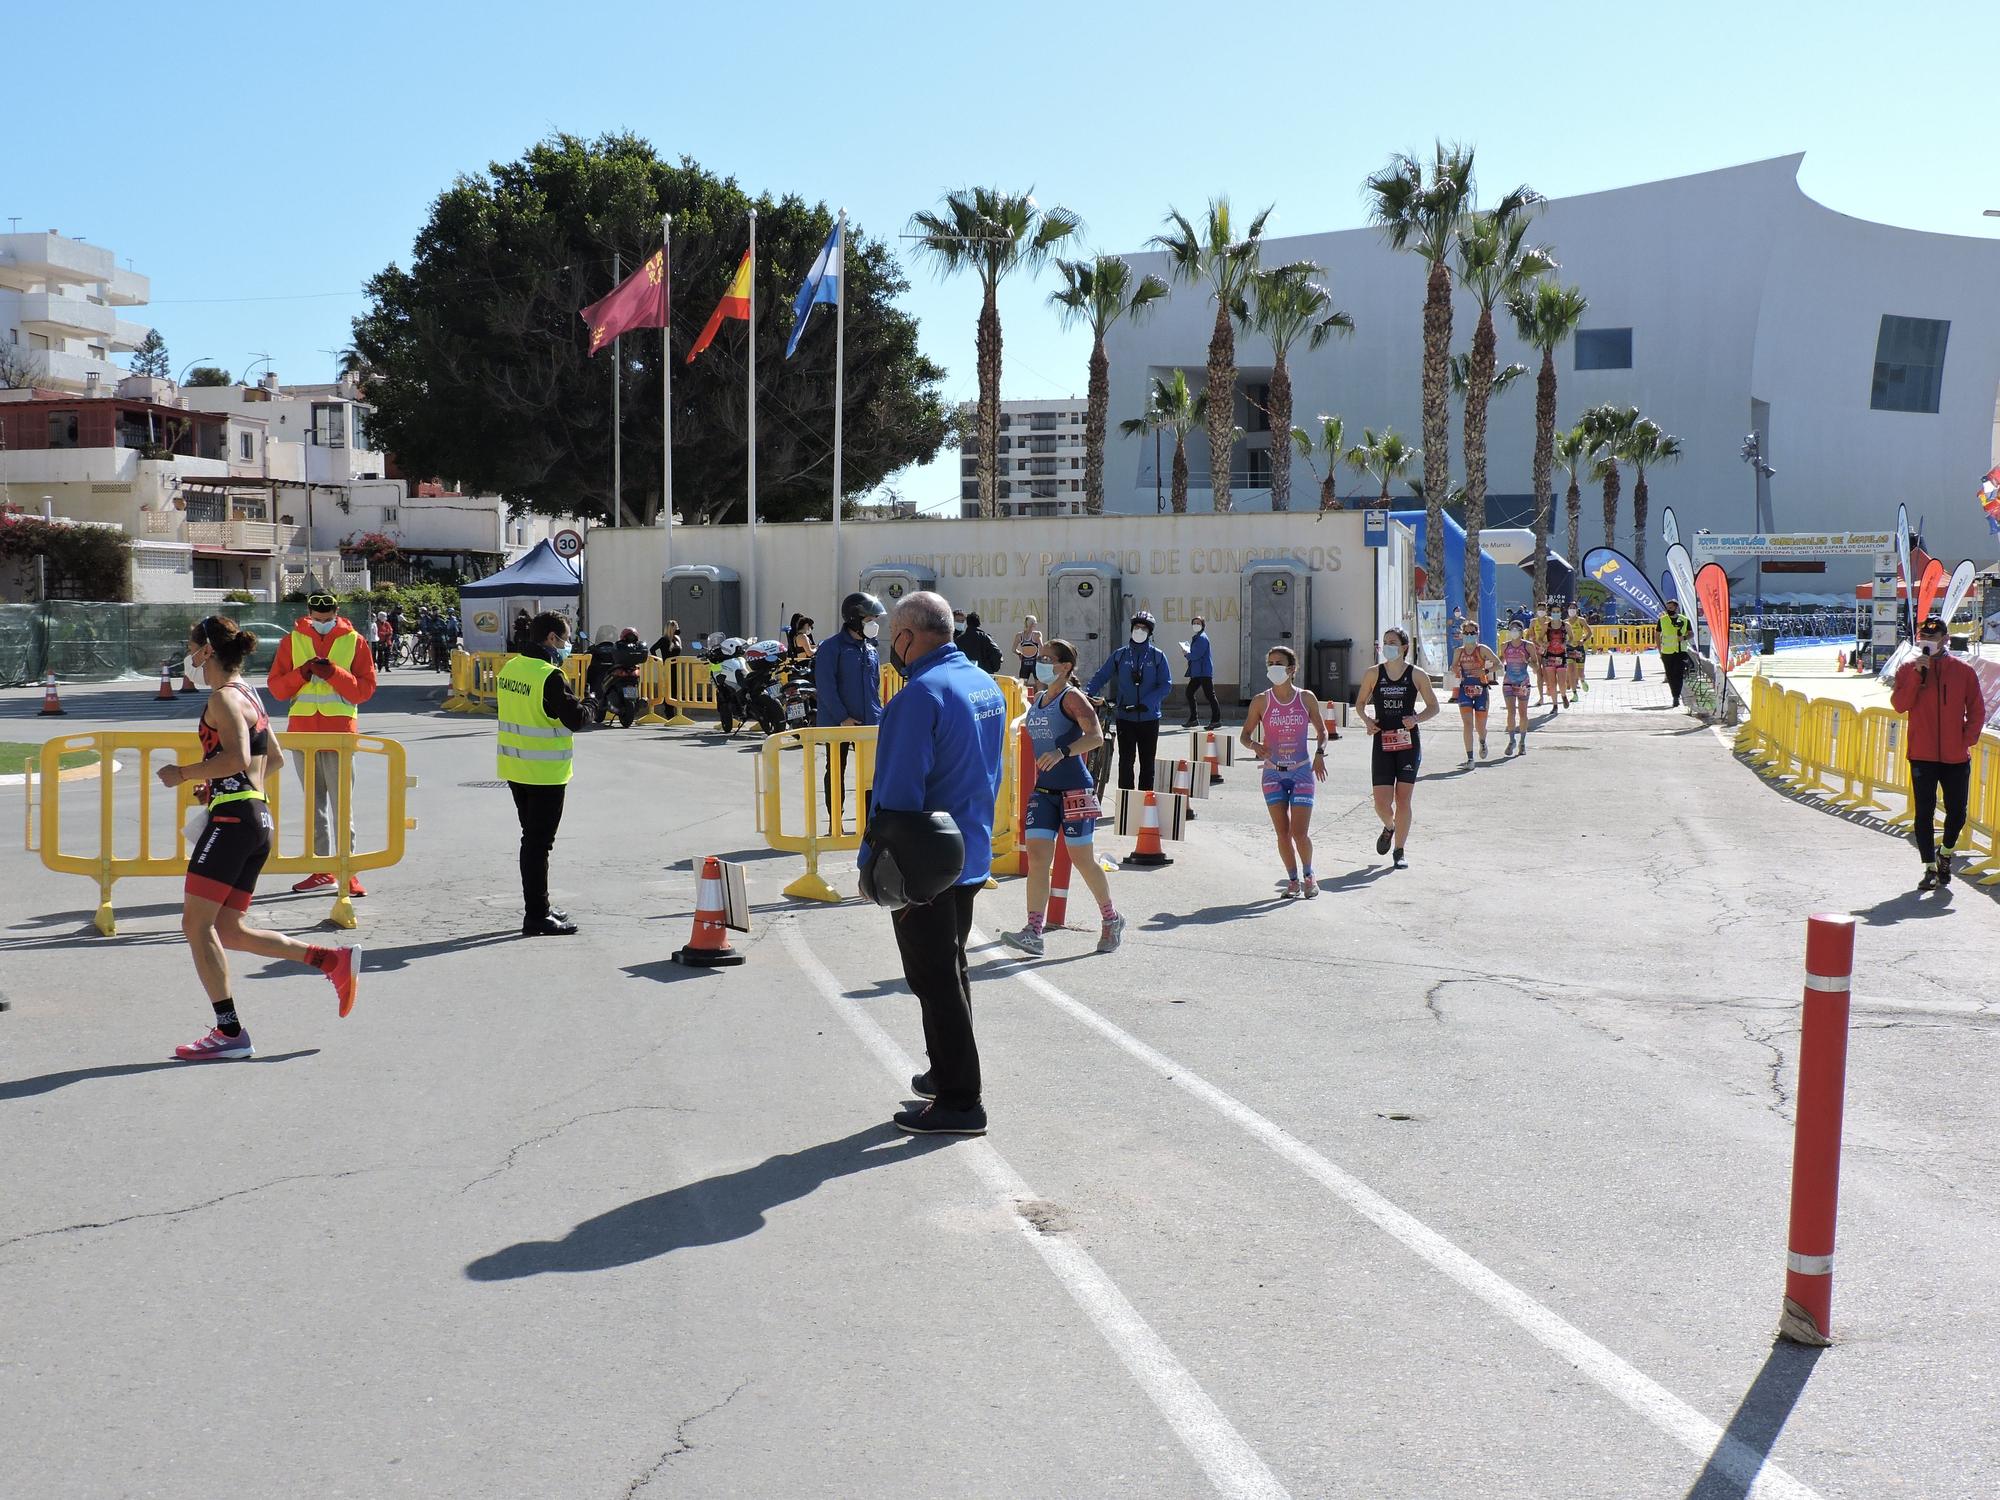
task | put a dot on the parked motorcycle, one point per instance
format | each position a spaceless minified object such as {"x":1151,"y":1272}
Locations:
{"x":759,"y":687}
{"x":800,"y":697}
{"x":612,"y":683}
{"x":726,"y":668}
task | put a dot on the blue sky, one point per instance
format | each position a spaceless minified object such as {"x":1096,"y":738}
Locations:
{"x":259,"y":162}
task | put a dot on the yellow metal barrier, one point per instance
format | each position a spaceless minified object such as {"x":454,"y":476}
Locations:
{"x":144,"y":753}
{"x":1623,"y":638}
{"x":475,"y":681}
{"x":892,"y":680}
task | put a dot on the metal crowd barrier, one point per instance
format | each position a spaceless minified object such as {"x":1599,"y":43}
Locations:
{"x":1623,"y":638}
{"x":475,"y":680}
{"x":118,"y":851}
{"x":1855,"y":756}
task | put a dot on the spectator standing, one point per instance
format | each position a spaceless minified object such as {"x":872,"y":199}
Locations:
{"x":1200,"y":675}
{"x":538,"y":717}
{"x":977,"y":644}
{"x":668,"y":646}
{"x":1028,"y":647}
{"x":1676,"y":639}
{"x":1939,"y":698}
{"x":847,"y":679}
{"x":323,"y":672}
{"x":1138,"y":676}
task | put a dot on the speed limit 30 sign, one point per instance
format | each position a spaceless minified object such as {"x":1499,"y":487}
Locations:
{"x":568,"y":544}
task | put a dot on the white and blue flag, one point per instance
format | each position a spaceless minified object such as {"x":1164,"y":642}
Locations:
{"x":822,"y":284}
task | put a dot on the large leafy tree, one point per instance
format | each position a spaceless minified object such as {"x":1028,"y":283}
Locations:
{"x":1609,"y":428}
{"x":476,"y":360}
{"x":1494,"y":262}
{"x":1647,"y":447}
{"x":1172,"y":407}
{"x":990,"y":234}
{"x":1291,"y":306}
{"x":1420,"y":209}
{"x":151,"y":357}
{"x":1546,"y":316}
{"x":1210,"y":255}
{"x":1098,"y":293}
{"x":1572,"y":448}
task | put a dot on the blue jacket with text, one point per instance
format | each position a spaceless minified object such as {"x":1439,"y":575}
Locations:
{"x":938,"y":750}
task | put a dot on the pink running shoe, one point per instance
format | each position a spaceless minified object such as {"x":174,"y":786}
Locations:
{"x":346,"y":977}
{"x":215,"y":1047}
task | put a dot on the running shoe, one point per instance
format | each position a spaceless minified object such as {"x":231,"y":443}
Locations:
{"x":1112,"y":935}
{"x":1943,"y":868}
{"x":215,"y":1047}
{"x":1027,"y":941}
{"x":1312,"y":887}
{"x":1930,"y":880}
{"x":346,"y":976}
{"x":1467,"y":762}
{"x":1482,"y":747}
{"x":1291,"y":890}
{"x":1388,"y":837}
{"x":317,"y":882}
{"x":354,"y":887}
{"x":1400,"y":862}
{"x":935,"y":1119}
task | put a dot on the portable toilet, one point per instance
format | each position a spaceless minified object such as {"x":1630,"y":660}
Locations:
{"x":704,"y":598}
{"x":1276,"y":611}
{"x":889,"y":582}
{"x":1087,"y":609}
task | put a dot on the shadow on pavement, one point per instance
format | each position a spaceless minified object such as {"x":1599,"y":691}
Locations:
{"x":1209,"y":916}
{"x":1909,"y":905}
{"x":666,"y":971}
{"x":710,"y":1212}
{"x":387,"y":959}
{"x":74,"y":919}
{"x":1354,"y":879}
{"x":48,"y":1083}
{"x":1760,"y":1417}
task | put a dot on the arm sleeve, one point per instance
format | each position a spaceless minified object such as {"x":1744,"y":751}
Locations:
{"x":905,"y":752}
{"x":1102,"y":675}
{"x":284,"y":680}
{"x":1159,"y":680}
{"x":1903,"y":696}
{"x":826,"y":682}
{"x":559,"y":703}
{"x":1975,"y":709}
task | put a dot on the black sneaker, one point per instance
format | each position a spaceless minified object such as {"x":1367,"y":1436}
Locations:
{"x":1930,"y":881}
{"x":550,"y":926}
{"x":1943,"y":868}
{"x":1387,"y":838}
{"x":1400,"y":862}
{"x":921,"y":1086}
{"x":933,"y":1119}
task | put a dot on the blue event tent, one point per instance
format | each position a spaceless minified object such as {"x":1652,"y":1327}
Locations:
{"x":538,"y":581}
{"x":1454,"y":571}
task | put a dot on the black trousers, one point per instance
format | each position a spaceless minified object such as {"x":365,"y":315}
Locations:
{"x":540,"y":810}
{"x":931,"y":939}
{"x":1927,"y":778}
{"x":1141,"y":738}
{"x":1198,"y":685}
{"x":1676,"y":663}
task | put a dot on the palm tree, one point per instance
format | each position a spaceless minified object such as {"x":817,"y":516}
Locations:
{"x":1172,"y":407}
{"x":1384,"y":458}
{"x":1421,"y":214}
{"x":1572,"y":447}
{"x":1331,"y":441}
{"x":1647,"y":447}
{"x":1609,"y":427}
{"x":1545,"y":315}
{"x":1100,"y":292}
{"x":1291,"y":306}
{"x":990,"y":233}
{"x":1494,"y":262}
{"x":1213,"y":257}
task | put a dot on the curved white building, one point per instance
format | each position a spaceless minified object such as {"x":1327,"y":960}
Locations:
{"x":1867,"y":356}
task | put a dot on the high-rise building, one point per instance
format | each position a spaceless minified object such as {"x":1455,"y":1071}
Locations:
{"x":59,"y":313}
{"x":1041,"y":459}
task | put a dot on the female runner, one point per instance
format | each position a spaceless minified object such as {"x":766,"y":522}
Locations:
{"x":1389,"y":696}
{"x":1472,"y":664}
{"x":1275,"y":731}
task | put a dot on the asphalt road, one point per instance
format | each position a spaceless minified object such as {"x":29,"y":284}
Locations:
{"x":1465,"y":1180}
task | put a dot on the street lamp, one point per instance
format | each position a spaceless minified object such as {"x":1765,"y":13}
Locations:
{"x":178,"y":379}
{"x":260,"y":359}
{"x":1753,"y":455}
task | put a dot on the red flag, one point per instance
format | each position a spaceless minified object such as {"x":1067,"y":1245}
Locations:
{"x":735,"y":303}
{"x":1930,"y":583}
{"x":639,"y":302}
{"x":1711,"y":587}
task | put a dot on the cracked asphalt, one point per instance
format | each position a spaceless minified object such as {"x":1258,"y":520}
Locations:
{"x":563,"y":1219}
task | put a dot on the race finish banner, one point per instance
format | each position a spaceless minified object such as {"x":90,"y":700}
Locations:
{"x":1624,"y":581}
{"x":1709,"y":544}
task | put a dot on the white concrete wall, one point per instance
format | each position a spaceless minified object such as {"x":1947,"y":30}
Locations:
{"x":1176,"y":566}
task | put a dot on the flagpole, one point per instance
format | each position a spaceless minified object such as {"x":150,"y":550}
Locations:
{"x":839,"y":386}
{"x":750,"y":573}
{"x":617,"y":428}
{"x":667,"y":391}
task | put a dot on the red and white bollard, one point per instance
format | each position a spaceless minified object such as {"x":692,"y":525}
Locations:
{"x":1808,"y":1314}
{"x":1059,"y":884}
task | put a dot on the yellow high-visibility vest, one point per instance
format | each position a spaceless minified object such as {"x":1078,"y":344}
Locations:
{"x":1671,"y":634}
{"x":534,"y":749}
{"x":318,"y":696}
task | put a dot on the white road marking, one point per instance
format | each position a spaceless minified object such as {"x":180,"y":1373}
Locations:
{"x":1232,"y":1466}
{"x":1674,"y":1417}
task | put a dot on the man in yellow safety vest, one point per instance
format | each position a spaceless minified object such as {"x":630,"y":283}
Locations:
{"x":1676,"y":640}
{"x":539,"y":716}
{"x":325,"y":670}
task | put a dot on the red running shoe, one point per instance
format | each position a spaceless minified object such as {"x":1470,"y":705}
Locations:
{"x":354,"y":886}
{"x":317,"y":882}
{"x":215,"y":1047}
{"x":346,"y":976}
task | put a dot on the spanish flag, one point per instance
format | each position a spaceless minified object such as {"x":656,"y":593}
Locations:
{"x":735,"y":303}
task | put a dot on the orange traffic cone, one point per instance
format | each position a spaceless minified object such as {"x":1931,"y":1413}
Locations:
{"x":707,"y":947}
{"x":1841,"y":666}
{"x":1184,"y":782}
{"x":1149,"y":851}
{"x":1214,"y":761}
{"x":51,"y":704}
{"x":166,"y":683}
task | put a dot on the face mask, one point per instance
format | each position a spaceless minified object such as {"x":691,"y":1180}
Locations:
{"x":1139,"y":635}
{"x":560,"y":653}
{"x":1200,"y":627}
{"x":1514,"y":635}
{"x":897,"y":660}
{"x":1391,"y":652}
{"x":1045,"y":671}
{"x":870,"y":629}
{"x":1277,"y":675}
{"x":322,"y":626}
{"x":1930,"y":648}
{"x":1468,"y":640}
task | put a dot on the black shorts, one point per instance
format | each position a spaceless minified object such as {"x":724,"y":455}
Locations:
{"x":1391,"y":766}
{"x":230,"y":854}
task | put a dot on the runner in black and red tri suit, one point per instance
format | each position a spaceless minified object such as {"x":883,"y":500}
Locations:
{"x":1395,"y":697}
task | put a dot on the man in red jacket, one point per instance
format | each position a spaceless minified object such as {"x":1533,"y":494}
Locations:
{"x":1939,"y":697}
{"x":325,"y":670}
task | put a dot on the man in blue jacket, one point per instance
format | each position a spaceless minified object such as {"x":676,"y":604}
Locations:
{"x":847,"y":678}
{"x":1201,"y":676}
{"x":1139,"y":677}
{"x":938,"y":750}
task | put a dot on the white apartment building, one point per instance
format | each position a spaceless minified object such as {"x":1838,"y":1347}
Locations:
{"x":1041,"y":459}
{"x":59,"y":313}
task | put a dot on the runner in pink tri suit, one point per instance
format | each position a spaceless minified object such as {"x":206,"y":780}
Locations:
{"x":1280,"y":720}
{"x":1516,"y":660}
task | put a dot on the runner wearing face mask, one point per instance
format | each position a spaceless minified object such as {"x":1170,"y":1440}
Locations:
{"x":1944,"y":711}
{"x":1515,"y":658}
{"x":1579,"y":649}
{"x":1063,"y":728}
{"x":1473,"y":665}
{"x":1390,"y":694}
{"x":1275,"y":730}
{"x":1538,"y":652}
{"x":1555,"y":660}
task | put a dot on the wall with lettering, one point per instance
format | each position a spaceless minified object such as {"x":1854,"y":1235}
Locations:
{"x":1176,"y":566}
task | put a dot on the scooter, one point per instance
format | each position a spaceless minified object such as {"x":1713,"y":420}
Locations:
{"x":801,"y":698}
{"x":758,"y":690}
{"x":726,"y":668}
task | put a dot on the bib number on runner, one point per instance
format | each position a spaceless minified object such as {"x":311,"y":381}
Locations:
{"x":1395,"y":739}
{"x":1080,"y":806}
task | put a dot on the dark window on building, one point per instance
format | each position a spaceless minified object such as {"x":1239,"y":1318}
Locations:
{"x":245,"y":441}
{"x":62,"y":429}
{"x":1909,"y":364}
{"x":1257,"y":404}
{"x":1604,"y":349}
{"x":208,"y":573}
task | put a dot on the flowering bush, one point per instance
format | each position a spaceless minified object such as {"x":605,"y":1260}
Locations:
{"x":85,"y":562}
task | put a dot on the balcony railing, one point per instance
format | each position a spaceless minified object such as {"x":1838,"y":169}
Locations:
{"x":243,"y":536}
{"x":71,"y":317}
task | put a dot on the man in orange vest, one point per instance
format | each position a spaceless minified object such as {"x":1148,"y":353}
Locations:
{"x":325,"y":670}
